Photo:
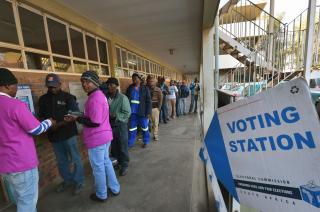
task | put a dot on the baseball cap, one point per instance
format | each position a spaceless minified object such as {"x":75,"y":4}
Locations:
{"x":52,"y":80}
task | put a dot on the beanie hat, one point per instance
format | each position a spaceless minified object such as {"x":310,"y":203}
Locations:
{"x":112,"y":80}
{"x":91,"y":76}
{"x":6,"y":77}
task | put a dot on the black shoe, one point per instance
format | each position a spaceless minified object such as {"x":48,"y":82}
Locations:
{"x":117,"y":167}
{"x":144,"y":145}
{"x":94,"y":197}
{"x":77,"y":189}
{"x":123,"y":171}
{"x":165,"y":122}
{"x":63,"y":186}
{"x":113,"y":194}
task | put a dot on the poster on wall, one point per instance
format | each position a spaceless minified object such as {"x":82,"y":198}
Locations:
{"x":265,"y":149}
{"x":24,"y":94}
{"x":76,"y":89}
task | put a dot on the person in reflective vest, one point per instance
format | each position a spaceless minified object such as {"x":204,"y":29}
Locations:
{"x":140,"y":102}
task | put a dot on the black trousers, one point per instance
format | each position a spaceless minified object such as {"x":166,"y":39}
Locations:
{"x":119,"y":144}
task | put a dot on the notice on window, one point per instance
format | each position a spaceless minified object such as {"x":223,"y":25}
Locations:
{"x":265,"y":149}
{"x":24,"y":94}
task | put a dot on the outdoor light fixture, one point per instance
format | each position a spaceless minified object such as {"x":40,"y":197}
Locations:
{"x":171,"y":51}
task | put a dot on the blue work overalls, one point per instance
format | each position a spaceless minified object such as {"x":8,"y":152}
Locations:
{"x":137,"y":120}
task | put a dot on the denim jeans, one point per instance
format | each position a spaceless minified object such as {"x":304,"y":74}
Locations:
{"x":25,"y":189}
{"x":195,"y":103}
{"x":183,"y":106}
{"x":119,"y":144}
{"x":191,"y":103}
{"x":103,"y":171}
{"x":178,"y":106}
{"x":66,"y":153}
{"x":164,"y":110}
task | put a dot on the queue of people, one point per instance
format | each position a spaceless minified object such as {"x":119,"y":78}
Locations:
{"x":111,"y":121}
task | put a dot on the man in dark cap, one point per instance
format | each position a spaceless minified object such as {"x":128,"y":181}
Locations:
{"x":19,"y":162}
{"x":97,"y":136}
{"x":120,"y":112}
{"x":140,"y":101}
{"x":57,"y":103}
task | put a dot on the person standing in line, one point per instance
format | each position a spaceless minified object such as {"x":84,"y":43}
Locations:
{"x":196,"y":94}
{"x":191,"y":88}
{"x":178,"y":98}
{"x":97,"y":136}
{"x":57,"y":103}
{"x":140,"y":102}
{"x":156,"y":98}
{"x":18,"y":156}
{"x":173,"y":90}
{"x":120,"y":112}
{"x":164,"y":107}
{"x":184,"y":92}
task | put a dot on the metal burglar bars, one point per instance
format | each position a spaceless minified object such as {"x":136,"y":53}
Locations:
{"x":266,"y":55}
{"x":296,"y":35}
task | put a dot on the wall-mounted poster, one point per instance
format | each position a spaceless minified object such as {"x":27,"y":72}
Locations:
{"x":24,"y":94}
{"x":77,"y":90}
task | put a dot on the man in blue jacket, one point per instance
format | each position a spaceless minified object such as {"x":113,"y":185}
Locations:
{"x":140,"y":102}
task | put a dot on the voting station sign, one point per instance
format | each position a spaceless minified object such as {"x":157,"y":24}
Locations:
{"x":265,"y":149}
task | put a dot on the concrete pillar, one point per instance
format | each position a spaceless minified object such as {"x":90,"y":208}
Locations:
{"x":113,"y":58}
{"x":309,"y":39}
{"x":207,"y":77}
{"x":216,"y":61}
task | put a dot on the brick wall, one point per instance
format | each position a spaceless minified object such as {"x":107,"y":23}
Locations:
{"x":124,"y":84}
{"x":48,"y":171}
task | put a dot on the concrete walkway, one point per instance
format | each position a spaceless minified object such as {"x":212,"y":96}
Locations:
{"x":160,"y":177}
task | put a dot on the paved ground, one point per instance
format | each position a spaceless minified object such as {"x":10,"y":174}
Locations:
{"x":159,"y":178}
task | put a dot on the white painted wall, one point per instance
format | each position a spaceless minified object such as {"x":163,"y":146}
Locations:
{"x":227,"y":61}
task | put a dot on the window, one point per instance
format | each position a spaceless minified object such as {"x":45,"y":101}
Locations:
{"x":8,"y":32}
{"x":58,"y":37}
{"x":103,"y":54}
{"x":38,"y":61}
{"x":118,"y":56}
{"x":124,"y":58}
{"x":77,"y":44}
{"x":143,"y":65}
{"x":10,"y":58}
{"x":94,"y":67}
{"x":147,"y":66}
{"x":91,"y":48}
{"x":139,"y":63}
{"x":79,"y":67}
{"x":134,"y":61}
{"x":129,"y":60}
{"x":105,"y":70}
{"x":62,"y":65}
{"x":33,"y":29}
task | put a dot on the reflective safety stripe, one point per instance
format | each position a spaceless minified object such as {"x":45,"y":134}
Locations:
{"x":145,"y":129}
{"x":135,"y":101}
{"x":133,"y":129}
